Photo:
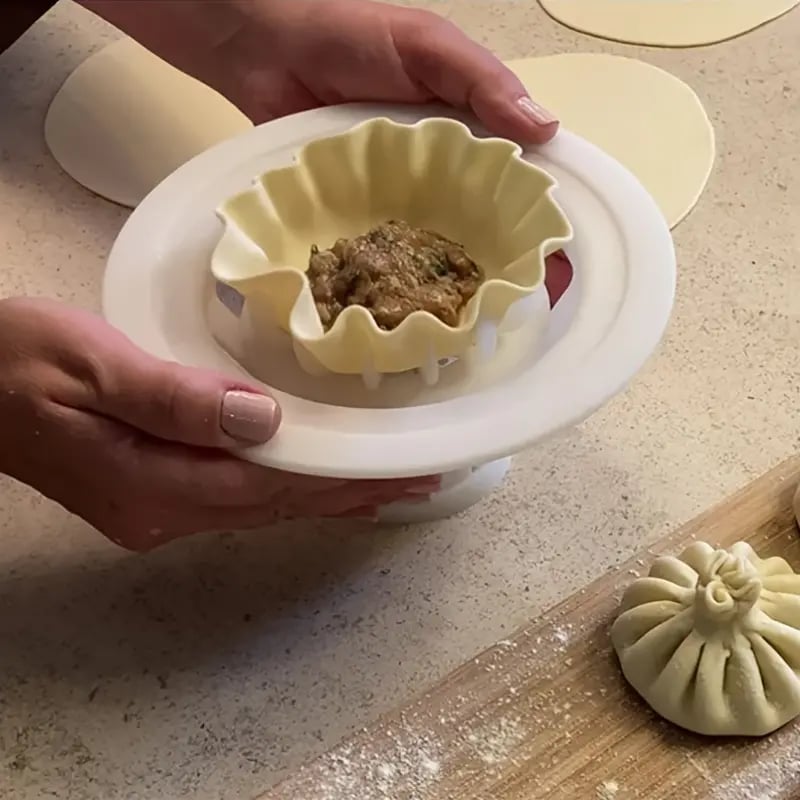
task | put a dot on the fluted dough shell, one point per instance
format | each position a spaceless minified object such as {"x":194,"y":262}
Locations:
{"x":711,"y":640}
{"x":435,"y":174}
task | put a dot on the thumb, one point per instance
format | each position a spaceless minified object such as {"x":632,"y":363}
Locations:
{"x":178,"y":403}
{"x":454,"y":68}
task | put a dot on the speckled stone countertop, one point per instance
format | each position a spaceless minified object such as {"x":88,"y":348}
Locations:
{"x":212,"y":668}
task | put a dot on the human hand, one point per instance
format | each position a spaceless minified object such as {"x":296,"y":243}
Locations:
{"x":275,"y":58}
{"x":322,"y":53}
{"x":135,"y":445}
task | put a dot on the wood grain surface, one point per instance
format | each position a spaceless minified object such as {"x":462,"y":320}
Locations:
{"x":547,"y":714}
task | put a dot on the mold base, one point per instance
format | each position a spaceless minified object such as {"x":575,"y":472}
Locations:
{"x":460,"y":490}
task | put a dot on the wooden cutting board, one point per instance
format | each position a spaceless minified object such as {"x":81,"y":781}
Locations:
{"x":547,"y":714}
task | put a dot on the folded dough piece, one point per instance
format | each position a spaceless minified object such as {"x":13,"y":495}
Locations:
{"x":711,"y":640}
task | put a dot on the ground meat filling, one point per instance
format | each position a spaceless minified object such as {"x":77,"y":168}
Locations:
{"x":393,"y":270}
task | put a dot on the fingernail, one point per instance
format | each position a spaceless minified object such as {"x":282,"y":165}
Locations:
{"x":249,"y":417}
{"x":537,"y":113}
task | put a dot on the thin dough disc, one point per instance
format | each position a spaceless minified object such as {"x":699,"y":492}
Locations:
{"x":647,"y":119}
{"x":125,"y":119}
{"x":666,"y":23}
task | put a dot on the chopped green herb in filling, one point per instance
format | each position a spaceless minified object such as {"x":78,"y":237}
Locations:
{"x":393,"y":270}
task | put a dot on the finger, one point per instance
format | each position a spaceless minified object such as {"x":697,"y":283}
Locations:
{"x":224,"y":520}
{"x":441,"y":57}
{"x":425,"y":484}
{"x":266,"y":99}
{"x":384,"y":493}
{"x":332,"y":502}
{"x":371,"y":512}
{"x":183,"y":520}
{"x":207,"y":478}
{"x":240,"y":519}
{"x":246,"y":519}
{"x":363,"y":512}
{"x":346,"y":501}
{"x":174,"y":402}
{"x":351,"y":500}
{"x":196,"y":521}
{"x":314,"y":497}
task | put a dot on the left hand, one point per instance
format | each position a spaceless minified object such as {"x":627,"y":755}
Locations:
{"x":278,"y":57}
{"x":307,"y":53}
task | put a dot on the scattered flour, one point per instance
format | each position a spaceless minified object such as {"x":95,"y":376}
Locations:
{"x":775,"y":775}
{"x":409,"y":769}
{"x":386,"y":771}
{"x":562,"y":635}
{"x":607,"y":790}
{"x":411,"y":766}
{"x":430,"y":765}
{"x":494,"y":746}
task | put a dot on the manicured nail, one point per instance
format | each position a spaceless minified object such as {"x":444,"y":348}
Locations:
{"x":249,"y":417}
{"x":539,"y":114}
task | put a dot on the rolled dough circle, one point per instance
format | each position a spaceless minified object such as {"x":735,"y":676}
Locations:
{"x":666,"y":23}
{"x":125,"y":119}
{"x":647,"y":119}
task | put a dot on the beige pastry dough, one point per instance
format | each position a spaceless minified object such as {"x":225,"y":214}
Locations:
{"x":647,"y":119}
{"x":711,"y":640}
{"x":666,"y":23}
{"x":435,"y":174}
{"x":125,"y":119}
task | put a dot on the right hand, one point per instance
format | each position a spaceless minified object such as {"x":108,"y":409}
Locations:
{"x":135,"y":446}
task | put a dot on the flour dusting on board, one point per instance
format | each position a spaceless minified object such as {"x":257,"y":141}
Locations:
{"x":562,"y":635}
{"x":774,"y":775}
{"x":495,"y":745}
{"x":410,"y":765}
{"x":607,"y":790}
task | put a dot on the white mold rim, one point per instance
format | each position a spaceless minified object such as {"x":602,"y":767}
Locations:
{"x":608,"y":340}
